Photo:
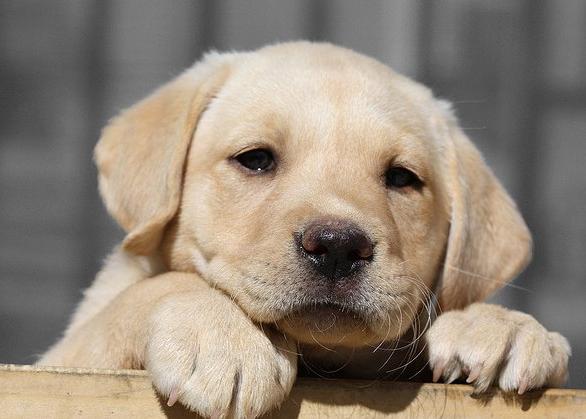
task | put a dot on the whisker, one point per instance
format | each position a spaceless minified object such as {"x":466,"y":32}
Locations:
{"x":333,"y":316}
{"x":469,"y":101}
{"x":475,"y":275}
{"x":319,"y":343}
{"x":473,"y":128}
{"x":312,"y":370}
{"x":343,"y":365}
{"x":426,"y":298}
{"x":386,"y":335}
{"x":396,"y":343}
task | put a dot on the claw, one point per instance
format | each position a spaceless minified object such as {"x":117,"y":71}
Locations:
{"x":439,"y":370}
{"x":173,"y":397}
{"x":453,"y":376}
{"x":522,"y":386}
{"x":474,"y":373}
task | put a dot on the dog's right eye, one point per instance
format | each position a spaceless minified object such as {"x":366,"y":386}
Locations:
{"x":257,"y":160}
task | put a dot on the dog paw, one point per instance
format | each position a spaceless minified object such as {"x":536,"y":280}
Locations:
{"x":206,"y":354}
{"x":489,"y":345}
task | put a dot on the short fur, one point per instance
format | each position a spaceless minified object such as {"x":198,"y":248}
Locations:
{"x":208,"y":291}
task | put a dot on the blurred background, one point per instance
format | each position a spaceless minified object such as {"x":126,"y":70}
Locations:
{"x":516,"y":71}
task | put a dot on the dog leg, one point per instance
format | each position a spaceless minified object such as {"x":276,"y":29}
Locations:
{"x":199,"y":347}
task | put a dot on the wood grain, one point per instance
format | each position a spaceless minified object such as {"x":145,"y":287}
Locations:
{"x":29,"y":392}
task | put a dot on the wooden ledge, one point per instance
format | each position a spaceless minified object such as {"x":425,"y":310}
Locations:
{"x":30,"y":392}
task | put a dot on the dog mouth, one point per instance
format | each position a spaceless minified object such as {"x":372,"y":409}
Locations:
{"x":321,"y":308}
{"x":328,"y":323}
{"x":317,"y":310}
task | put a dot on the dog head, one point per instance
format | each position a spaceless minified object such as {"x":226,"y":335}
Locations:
{"x":319,"y":189}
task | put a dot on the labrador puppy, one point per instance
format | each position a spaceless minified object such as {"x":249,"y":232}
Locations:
{"x":303,"y":203}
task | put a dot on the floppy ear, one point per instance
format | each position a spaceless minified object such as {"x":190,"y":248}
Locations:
{"x":489,"y":243}
{"x":141,"y":153}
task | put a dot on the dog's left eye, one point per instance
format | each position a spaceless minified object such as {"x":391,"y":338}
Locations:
{"x":258,"y":160}
{"x":399,"y":177}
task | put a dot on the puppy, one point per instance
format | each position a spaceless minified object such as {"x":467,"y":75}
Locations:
{"x":303,"y":203}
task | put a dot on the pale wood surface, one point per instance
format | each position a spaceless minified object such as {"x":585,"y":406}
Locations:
{"x":29,"y":392}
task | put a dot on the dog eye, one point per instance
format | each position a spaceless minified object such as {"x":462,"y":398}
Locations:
{"x":399,"y":177}
{"x":258,"y":160}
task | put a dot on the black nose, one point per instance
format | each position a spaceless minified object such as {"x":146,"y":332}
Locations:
{"x":335,"y":248}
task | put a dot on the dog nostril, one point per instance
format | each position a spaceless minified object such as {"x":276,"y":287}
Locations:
{"x":315,"y":249}
{"x":361,"y":253}
{"x":363,"y":248}
{"x":311,"y":244}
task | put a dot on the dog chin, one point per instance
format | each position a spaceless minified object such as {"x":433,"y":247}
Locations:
{"x":327,"y":325}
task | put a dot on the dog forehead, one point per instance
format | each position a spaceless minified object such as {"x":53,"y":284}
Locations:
{"x":296,"y":72}
{"x":321,"y":88}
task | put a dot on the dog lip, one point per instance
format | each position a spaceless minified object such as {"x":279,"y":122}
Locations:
{"x":324,"y":307}
{"x":324,"y":304}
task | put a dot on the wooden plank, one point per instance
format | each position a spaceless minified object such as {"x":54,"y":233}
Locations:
{"x":29,"y":392}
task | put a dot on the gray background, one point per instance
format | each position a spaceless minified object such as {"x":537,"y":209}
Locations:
{"x":516,"y":71}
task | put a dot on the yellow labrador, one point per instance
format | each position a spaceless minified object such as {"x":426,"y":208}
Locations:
{"x":303,"y":203}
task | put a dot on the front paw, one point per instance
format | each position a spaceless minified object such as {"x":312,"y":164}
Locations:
{"x":207,"y":354}
{"x":490,"y":344}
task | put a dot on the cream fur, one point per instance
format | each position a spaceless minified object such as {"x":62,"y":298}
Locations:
{"x":208,"y":291}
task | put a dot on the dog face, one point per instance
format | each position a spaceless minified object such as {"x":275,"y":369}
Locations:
{"x":323,"y":192}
